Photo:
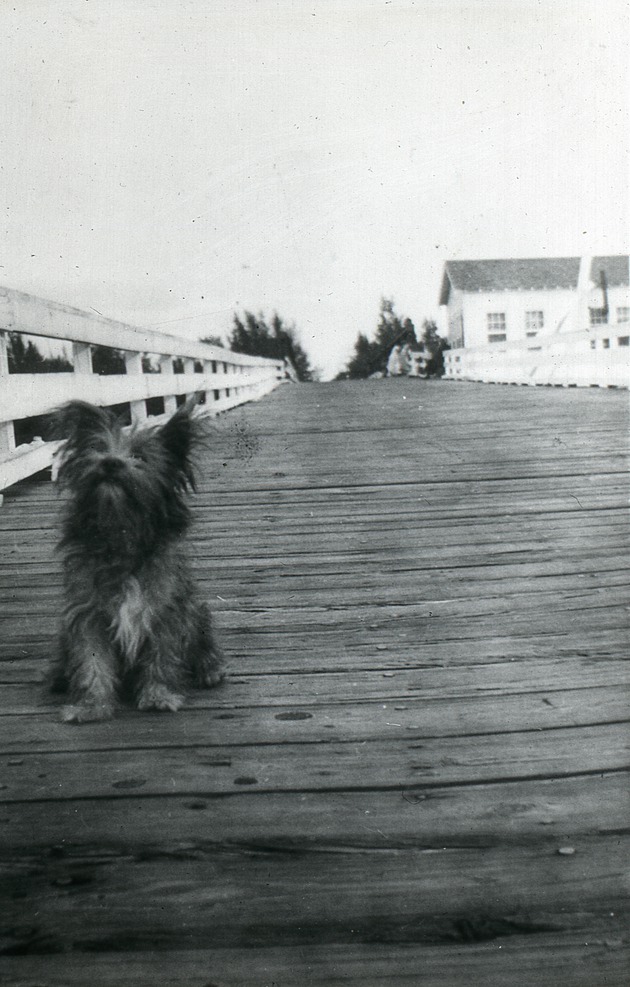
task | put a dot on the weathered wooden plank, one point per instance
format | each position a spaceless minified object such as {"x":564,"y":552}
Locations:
{"x":571,"y":960}
{"x":437,"y":519}
{"x":353,"y":721}
{"x":364,"y":552}
{"x":601,"y":454}
{"x":461,"y":502}
{"x":314,"y":573}
{"x":93,"y":901}
{"x":435,"y":528}
{"x":425,"y":621}
{"x":492,"y":679}
{"x":265,"y":580}
{"x":360,"y":546}
{"x":24,"y":659}
{"x":553,"y":811}
{"x":611,"y":591}
{"x":335,"y":500}
{"x":323,"y":765}
{"x":433,"y":534}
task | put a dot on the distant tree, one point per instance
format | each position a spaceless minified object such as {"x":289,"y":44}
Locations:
{"x":213,"y":341}
{"x":363,"y":361}
{"x":289,"y":346}
{"x":436,"y":345}
{"x":252,"y":335}
{"x":370,"y":356}
{"x":25,"y":358}
{"x":106,"y":360}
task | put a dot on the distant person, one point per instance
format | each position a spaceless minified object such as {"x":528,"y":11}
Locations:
{"x":405,"y":360}
{"x":394,"y":362}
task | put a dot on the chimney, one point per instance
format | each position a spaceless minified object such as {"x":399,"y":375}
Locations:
{"x":584,"y":288}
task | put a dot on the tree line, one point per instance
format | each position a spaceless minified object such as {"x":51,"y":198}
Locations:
{"x":250,"y":334}
{"x":276,"y":340}
{"x":24,"y":357}
{"x":371,"y":355}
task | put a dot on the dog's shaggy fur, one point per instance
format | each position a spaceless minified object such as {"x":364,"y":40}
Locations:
{"x":131,"y":623}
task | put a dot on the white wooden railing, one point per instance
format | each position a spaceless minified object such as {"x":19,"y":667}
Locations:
{"x":227,"y":379}
{"x":598,"y":356}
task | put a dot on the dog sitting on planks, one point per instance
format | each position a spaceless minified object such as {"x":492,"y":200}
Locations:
{"x":132,"y":624}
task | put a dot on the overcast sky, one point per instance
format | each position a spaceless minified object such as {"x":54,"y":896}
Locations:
{"x":167,"y":163}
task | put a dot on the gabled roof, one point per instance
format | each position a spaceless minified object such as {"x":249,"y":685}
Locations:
{"x":533,"y":274}
{"x":617,"y":270}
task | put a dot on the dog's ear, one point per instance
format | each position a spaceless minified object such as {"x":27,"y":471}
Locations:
{"x":78,"y":421}
{"x":79,"y":425}
{"x":178,"y":437}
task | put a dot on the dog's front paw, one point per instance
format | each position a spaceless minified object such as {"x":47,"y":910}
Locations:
{"x":158,"y":697}
{"x":86,"y":712}
{"x":212,"y":677}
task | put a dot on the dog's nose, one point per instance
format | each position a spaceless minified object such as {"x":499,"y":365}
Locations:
{"x":111,"y":466}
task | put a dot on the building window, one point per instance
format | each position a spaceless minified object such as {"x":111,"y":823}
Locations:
{"x":606,"y":344}
{"x":533,"y":322}
{"x":496,"y":321}
{"x":623,"y":313}
{"x":496,"y":327}
{"x":623,"y":340}
{"x":599,"y":316}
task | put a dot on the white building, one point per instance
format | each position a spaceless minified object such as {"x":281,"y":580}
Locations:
{"x":497,"y":301}
{"x":562,"y":321}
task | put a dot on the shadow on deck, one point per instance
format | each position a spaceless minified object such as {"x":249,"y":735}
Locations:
{"x":417,"y":772}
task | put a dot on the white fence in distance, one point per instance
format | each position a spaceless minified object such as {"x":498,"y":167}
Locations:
{"x":595,"y":357}
{"x":227,"y":379}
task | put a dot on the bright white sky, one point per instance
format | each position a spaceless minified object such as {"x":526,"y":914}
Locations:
{"x":167,"y":162}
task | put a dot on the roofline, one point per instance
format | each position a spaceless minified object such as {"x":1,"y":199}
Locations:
{"x":448,"y":285}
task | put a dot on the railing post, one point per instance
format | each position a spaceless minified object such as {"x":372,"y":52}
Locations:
{"x":170,"y":401}
{"x":4,"y":355}
{"x":7,"y":431}
{"x":82,"y":358}
{"x":133,"y":365}
{"x":207,"y":369}
{"x":189,"y":368}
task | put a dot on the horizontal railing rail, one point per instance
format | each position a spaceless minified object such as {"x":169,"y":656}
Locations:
{"x":221,"y":378}
{"x":594,"y":357}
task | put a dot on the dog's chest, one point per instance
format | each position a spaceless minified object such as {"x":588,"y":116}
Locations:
{"x":131,"y":620}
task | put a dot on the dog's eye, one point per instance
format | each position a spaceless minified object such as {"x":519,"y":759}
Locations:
{"x":140,"y":459}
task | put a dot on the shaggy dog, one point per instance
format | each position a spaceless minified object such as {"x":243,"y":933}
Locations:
{"x":131,"y":624}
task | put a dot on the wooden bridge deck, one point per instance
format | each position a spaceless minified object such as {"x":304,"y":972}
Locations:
{"x":417,"y":773}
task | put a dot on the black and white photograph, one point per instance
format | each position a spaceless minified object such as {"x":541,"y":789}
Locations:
{"x":314,"y":477}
